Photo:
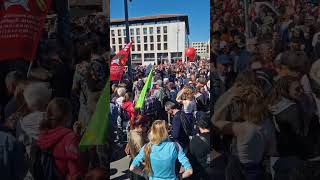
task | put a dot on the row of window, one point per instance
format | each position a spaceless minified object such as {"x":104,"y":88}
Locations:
{"x":137,"y":31}
{"x":151,"y":56}
{"x":138,"y":39}
{"x":145,"y":47}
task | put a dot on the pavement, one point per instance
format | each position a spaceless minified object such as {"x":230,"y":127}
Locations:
{"x":119,"y":169}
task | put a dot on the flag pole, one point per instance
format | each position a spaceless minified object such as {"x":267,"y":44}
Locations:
{"x":29,"y":69}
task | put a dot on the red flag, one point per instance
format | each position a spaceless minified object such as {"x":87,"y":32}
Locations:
{"x":118,"y":63}
{"x":21,"y":24}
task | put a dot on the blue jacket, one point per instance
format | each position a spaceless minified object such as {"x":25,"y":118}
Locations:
{"x":163,"y":160}
{"x":12,"y":164}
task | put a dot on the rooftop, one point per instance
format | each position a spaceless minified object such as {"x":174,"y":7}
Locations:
{"x":154,"y":18}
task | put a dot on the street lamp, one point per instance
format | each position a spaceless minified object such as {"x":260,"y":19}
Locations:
{"x":127,"y":36}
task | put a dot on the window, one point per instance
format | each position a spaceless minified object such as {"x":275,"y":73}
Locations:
{"x":165,"y":38}
{"x":114,"y":48}
{"x":145,"y":31}
{"x":119,"y":40}
{"x":112,"y":33}
{"x":151,"y":38}
{"x":133,"y":48}
{"x":138,"y":39}
{"x":113,"y":40}
{"x":120,"y":47}
{"x":139,"y":47}
{"x":136,"y":57}
{"x":165,"y":29}
{"x":138,"y":31}
{"x":145,"y":39}
{"x":150,"y":30}
{"x":119,"y":32}
{"x":124,"y":32}
{"x":146,"y":47}
{"x":132,"y":39}
{"x":132,"y":32}
{"x":149,"y":57}
{"x":159,"y":38}
{"x":151,"y":47}
{"x":158,"y":30}
{"x":165,"y":46}
{"x":159,"y":46}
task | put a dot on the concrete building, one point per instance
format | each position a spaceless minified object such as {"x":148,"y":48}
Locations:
{"x":155,"y":38}
{"x":202,"y":49}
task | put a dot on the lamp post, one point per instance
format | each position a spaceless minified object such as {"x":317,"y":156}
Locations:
{"x":127,"y":36}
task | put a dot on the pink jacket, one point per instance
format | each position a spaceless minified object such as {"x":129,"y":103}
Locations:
{"x":64,"y":144}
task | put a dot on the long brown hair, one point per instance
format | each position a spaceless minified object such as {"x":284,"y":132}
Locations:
{"x":251,"y":104}
{"x":58,"y":110}
{"x":158,"y":133}
{"x":281,"y":89}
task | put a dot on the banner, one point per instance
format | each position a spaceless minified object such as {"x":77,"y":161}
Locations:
{"x":144,"y":91}
{"x":118,"y":63}
{"x":21,"y":24}
{"x":97,"y":130}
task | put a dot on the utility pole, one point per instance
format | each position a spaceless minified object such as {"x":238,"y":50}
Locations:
{"x":127,"y":36}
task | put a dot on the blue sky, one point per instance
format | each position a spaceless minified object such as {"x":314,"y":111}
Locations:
{"x":198,"y":12}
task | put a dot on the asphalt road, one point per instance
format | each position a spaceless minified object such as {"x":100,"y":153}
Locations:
{"x":119,"y":169}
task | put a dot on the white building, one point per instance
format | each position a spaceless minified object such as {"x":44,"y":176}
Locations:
{"x":202,"y":49}
{"x":155,"y":38}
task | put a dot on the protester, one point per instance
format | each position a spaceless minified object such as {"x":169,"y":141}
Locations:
{"x":61,"y":141}
{"x":155,"y":154}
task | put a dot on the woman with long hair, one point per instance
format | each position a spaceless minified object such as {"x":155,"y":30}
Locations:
{"x":160,"y":155}
{"x":253,"y":133}
{"x":288,"y":123}
{"x":61,"y":141}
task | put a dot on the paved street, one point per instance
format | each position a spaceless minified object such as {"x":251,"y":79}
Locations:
{"x":119,"y":169}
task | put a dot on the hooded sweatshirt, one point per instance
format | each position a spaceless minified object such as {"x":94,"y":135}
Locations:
{"x":129,"y":107}
{"x":63,"y":142}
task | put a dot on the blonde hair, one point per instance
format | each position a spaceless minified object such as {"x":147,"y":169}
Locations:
{"x":158,"y":133}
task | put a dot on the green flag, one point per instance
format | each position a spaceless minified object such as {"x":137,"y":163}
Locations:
{"x":96,"y":132}
{"x":143,"y":93}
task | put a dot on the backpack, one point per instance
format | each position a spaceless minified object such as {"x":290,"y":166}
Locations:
{"x":212,"y":154}
{"x":96,"y":75}
{"x":187,"y":127}
{"x":124,"y":114}
{"x":44,"y":166}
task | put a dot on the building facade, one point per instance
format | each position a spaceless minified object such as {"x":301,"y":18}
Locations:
{"x":202,"y":49}
{"x":156,"y":39}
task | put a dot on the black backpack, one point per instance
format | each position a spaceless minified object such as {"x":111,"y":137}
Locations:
{"x":124,"y":114}
{"x":44,"y":166}
{"x":187,"y":126}
{"x":96,"y":77}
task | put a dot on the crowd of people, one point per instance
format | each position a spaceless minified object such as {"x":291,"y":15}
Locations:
{"x":46,"y":109}
{"x":265,"y":89}
{"x":173,"y":124}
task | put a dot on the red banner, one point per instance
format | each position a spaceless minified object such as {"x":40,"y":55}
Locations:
{"x":118,"y":63}
{"x":21,"y":24}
